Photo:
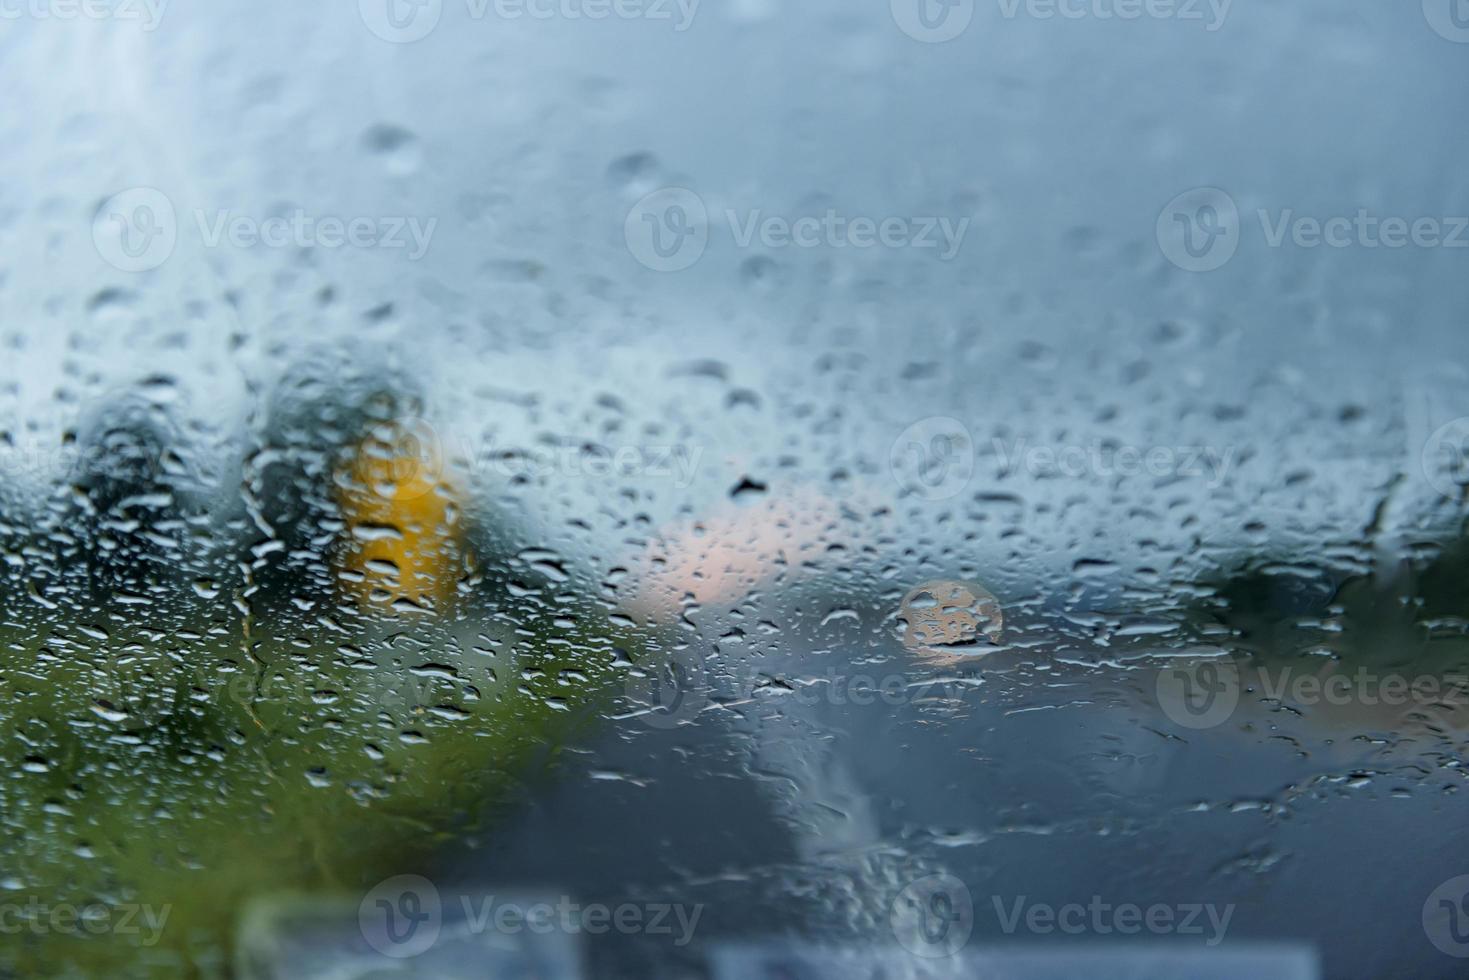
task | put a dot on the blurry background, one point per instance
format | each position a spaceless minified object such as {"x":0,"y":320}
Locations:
{"x":554,"y":230}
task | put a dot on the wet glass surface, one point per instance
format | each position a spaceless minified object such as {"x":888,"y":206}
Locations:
{"x":733,"y":489}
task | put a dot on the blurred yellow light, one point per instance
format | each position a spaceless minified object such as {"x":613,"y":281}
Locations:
{"x":402,"y":535}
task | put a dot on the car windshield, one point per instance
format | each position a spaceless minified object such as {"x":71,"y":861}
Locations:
{"x":734,"y":489}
